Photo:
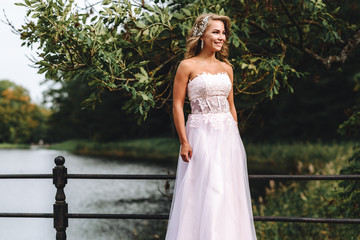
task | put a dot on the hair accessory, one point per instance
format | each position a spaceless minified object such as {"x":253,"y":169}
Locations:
{"x":200,"y":27}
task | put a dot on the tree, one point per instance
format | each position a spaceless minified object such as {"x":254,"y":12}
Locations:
{"x":19,"y":117}
{"x":107,"y":122}
{"x":134,"y":48}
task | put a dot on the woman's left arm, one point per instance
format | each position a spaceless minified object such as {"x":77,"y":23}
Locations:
{"x":231,"y":94}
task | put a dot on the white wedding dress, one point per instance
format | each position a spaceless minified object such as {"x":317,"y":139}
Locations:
{"x":211,"y":199}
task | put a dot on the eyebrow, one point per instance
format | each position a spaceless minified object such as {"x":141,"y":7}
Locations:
{"x":215,"y":29}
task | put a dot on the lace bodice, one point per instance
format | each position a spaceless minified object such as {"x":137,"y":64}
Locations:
{"x":208,"y":94}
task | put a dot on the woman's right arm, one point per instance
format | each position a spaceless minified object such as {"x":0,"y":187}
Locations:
{"x":179,"y":92}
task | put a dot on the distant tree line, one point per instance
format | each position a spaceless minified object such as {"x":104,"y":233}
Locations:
{"x":20,"y":120}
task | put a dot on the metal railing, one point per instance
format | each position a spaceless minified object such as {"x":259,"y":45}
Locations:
{"x":61,"y":215}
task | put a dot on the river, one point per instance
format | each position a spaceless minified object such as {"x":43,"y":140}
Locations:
{"x":83,"y":196}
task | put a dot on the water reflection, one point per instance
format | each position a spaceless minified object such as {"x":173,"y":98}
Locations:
{"x":83,"y":196}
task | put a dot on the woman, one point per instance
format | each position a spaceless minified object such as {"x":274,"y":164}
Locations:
{"x":211,"y":199}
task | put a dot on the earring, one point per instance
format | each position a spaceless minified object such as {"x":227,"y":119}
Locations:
{"x":202,"y":44}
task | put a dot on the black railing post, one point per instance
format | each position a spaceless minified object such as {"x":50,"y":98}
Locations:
{"x":60,"y":206}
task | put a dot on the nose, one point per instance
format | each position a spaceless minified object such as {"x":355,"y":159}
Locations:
{"x":222,"y":36}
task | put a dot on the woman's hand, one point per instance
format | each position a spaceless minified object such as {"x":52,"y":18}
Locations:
{"x":186,"y":152}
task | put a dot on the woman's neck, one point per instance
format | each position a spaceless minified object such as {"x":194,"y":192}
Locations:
{"x":207,"y":56}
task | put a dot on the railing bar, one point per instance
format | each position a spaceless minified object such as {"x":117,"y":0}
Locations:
{"x":165,"y":176}
{"x":307,"y":219}
{"x":304,"y":177}
{"x":118,"y":216}
{"x":121,"y":176}
{"x":26,"y":215}
{"x":256,"y":218}
{"x":166,"y":216}
{"x":251,"y":177}
{"x":22,"y":176}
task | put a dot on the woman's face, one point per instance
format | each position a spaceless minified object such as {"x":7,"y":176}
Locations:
{"x":214,"y":36}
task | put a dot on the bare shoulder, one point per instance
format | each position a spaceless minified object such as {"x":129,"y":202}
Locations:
{"x":184,"y":69}
{"x":228,"y":69}
{"x":185,"y":65}
{"x":187,"y":62}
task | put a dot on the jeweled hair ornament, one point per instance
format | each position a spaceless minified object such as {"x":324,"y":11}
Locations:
{"x":200,"y":27}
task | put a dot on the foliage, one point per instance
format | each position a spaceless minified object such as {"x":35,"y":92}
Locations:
{"x":134,"y":48}
{"x":350,"y":195}
{"x":314,"y":111}
{"x":325,"y":199}
{"x":21,"y":121}
{"x":288,"y":158}
{"x":107,"y":122}
{"x":351,"y":127}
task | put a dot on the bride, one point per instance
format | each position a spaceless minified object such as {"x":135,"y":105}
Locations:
{"x":211,"y":199}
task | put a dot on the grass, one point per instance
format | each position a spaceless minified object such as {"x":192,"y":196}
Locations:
{"x":14,"y":146}
{"x":69,"y":145}
{"x":151,"y":148}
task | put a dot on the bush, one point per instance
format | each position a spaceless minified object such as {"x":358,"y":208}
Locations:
{"x":324,"y":199}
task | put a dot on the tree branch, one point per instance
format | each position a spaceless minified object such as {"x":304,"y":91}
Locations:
{"x":351,"y":45}
{"x":293,"y":21}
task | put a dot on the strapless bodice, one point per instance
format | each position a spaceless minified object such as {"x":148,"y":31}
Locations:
{"x":208,"y":93}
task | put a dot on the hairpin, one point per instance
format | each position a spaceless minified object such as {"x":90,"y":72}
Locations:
{"x":200,"y":27}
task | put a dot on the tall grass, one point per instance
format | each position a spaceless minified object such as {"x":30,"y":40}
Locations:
{"x":285,"y":158}
{"x":307,"y":198}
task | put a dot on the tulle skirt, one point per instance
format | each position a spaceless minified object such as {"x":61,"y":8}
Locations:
{"x":211,"y":198}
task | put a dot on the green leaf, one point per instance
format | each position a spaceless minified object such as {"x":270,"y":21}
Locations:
{"x":143,"y":71}
{"x":44,"y":63}
{"x":20,"y":4}
{"x":144,"y":96}
{"x":112,"y":85}
{"x":178,"y":16}
{"x":140,"y":24}
{"x":106,"y":2}
{"x":186,"y":11}
{"x":148,"y":7}
{"x":42,"y":70}
{"x":108,"y":10}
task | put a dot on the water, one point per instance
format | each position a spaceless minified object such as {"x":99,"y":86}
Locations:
{"x":83,"y":196}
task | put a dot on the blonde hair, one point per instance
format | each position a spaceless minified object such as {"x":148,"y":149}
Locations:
{"x":193,"y":43}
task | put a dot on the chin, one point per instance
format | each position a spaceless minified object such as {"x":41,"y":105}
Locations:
{"x":216,"y":49}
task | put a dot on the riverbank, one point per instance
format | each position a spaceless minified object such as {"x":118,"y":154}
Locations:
{"x":264,"y":158}
{"x":14,"y":146}
{"x":158,"y":149}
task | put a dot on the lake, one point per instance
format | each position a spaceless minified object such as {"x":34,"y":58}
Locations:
{"x":82,"y":196}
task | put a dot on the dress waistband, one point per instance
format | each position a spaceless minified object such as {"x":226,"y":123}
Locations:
{"x":214,"y":104}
